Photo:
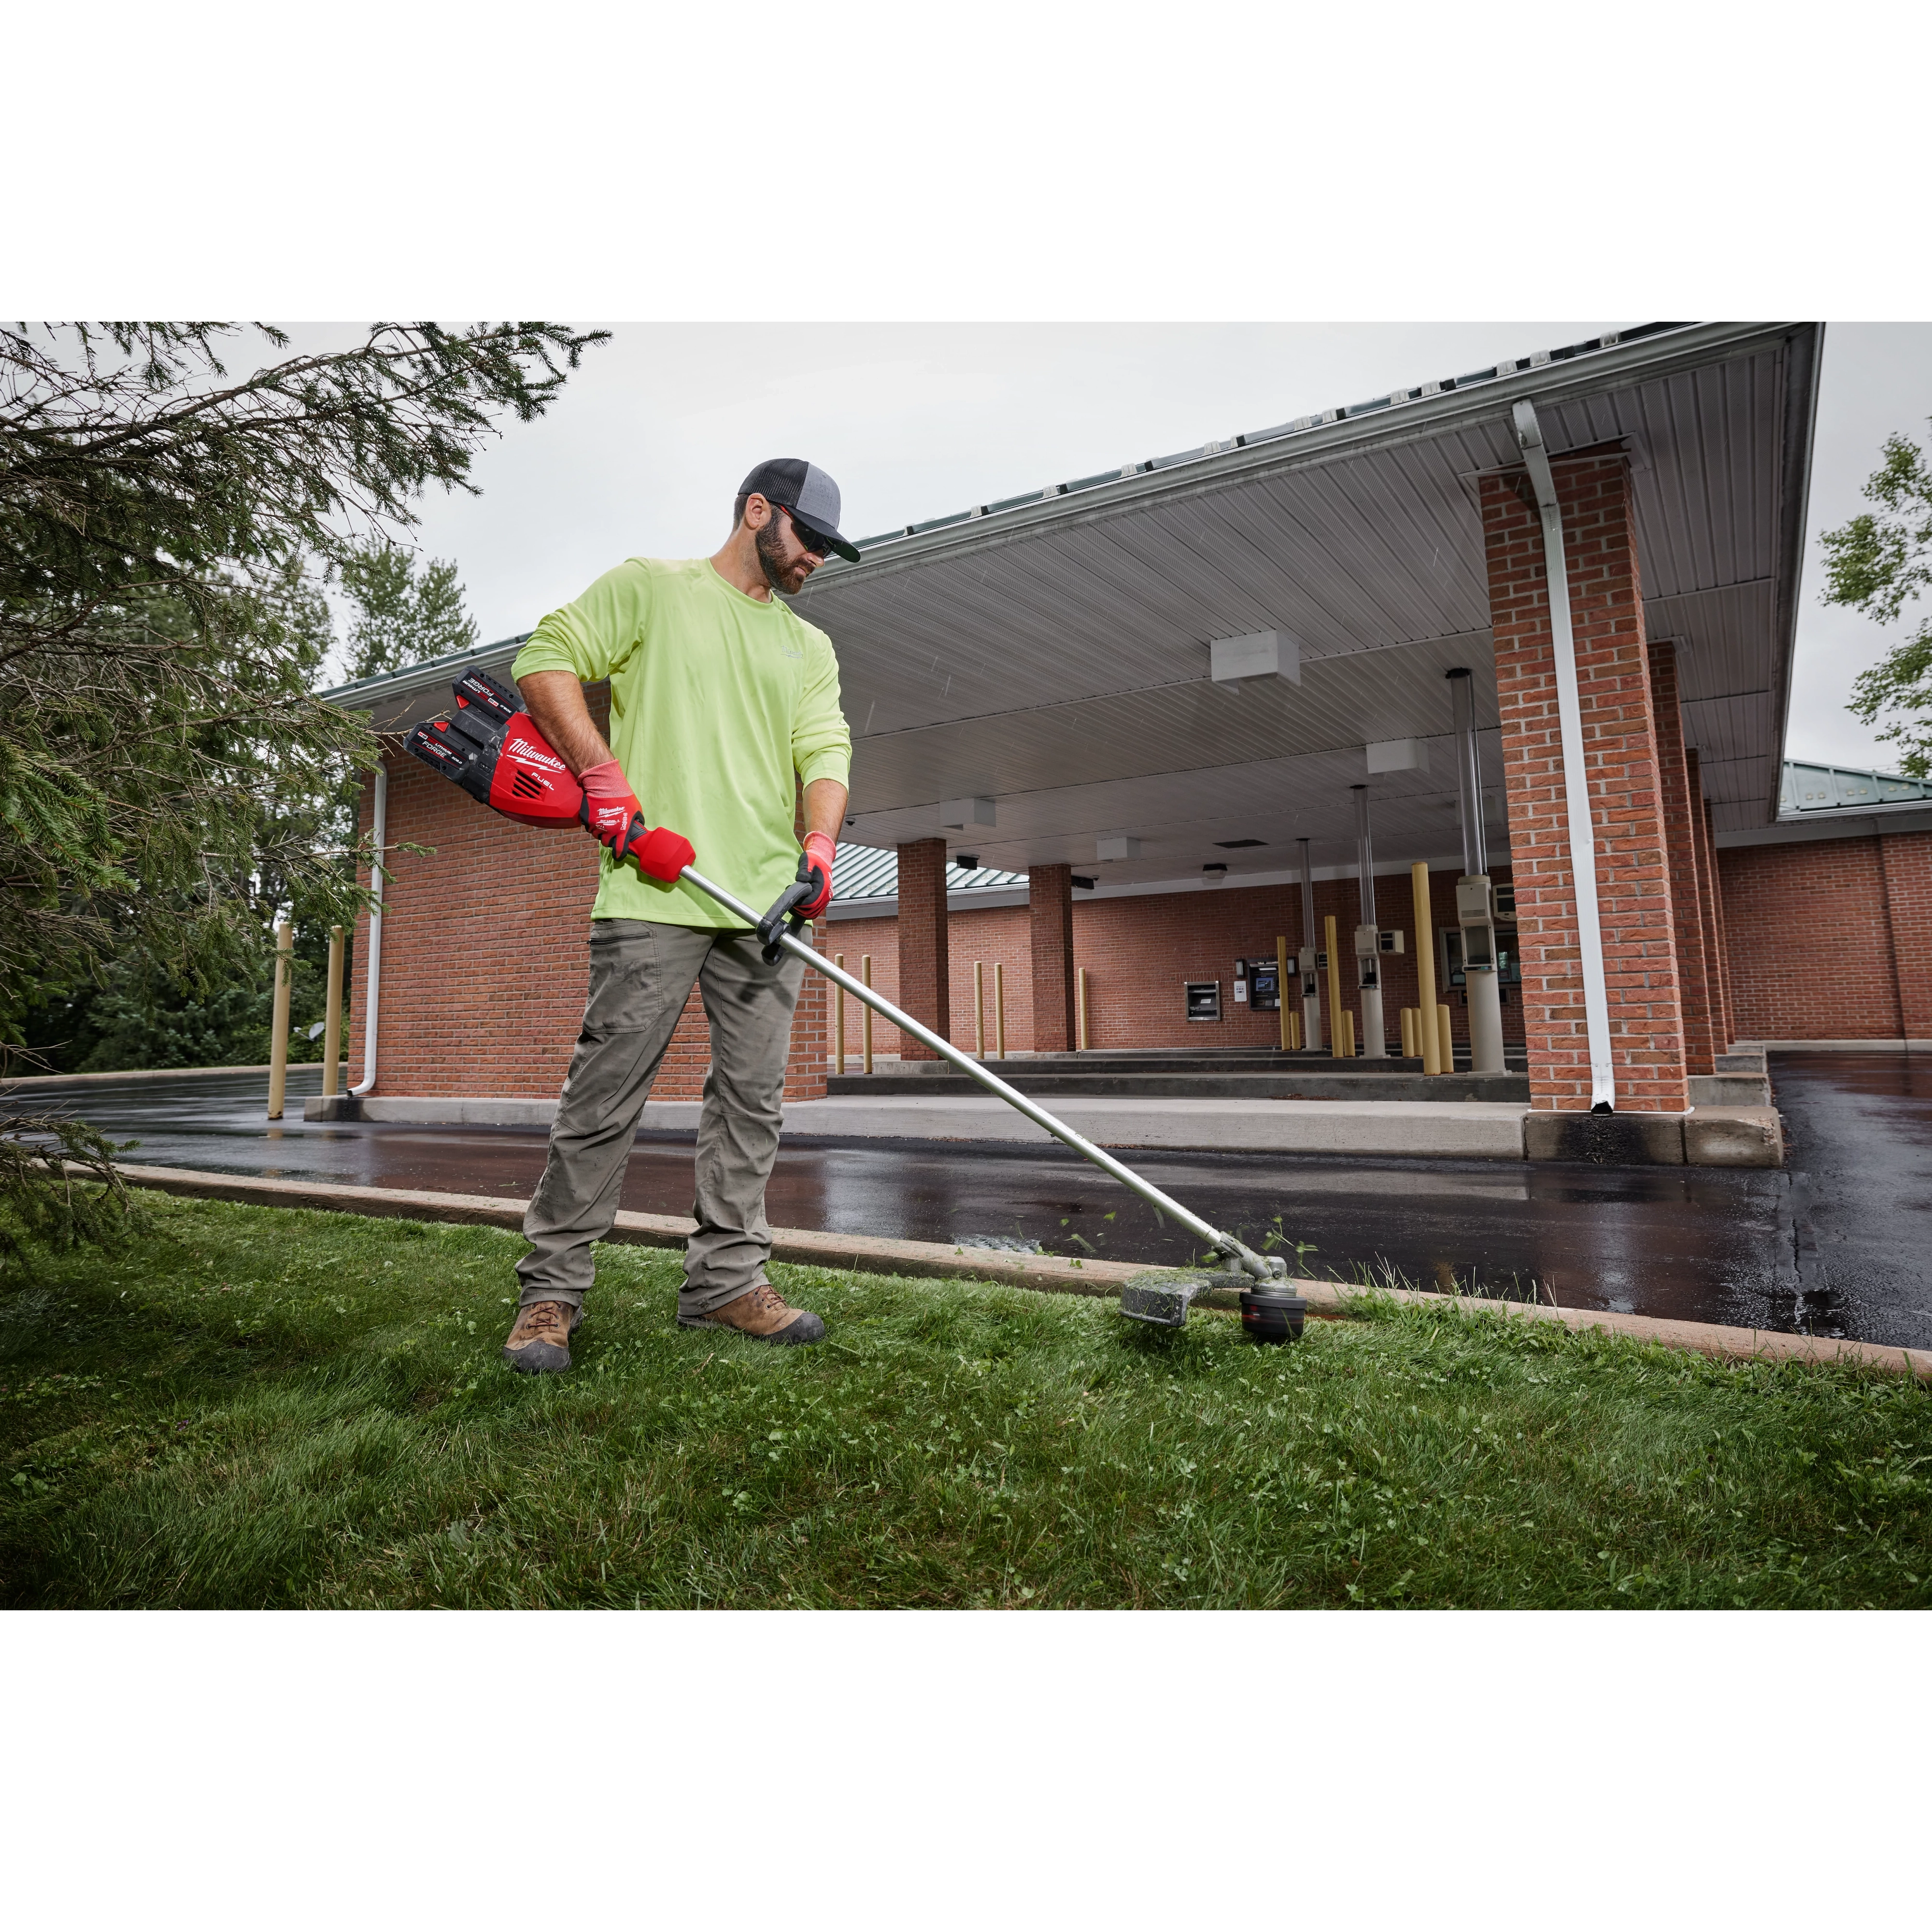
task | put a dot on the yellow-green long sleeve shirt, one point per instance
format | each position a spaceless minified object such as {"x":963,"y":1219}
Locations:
{"x":716,"y":700}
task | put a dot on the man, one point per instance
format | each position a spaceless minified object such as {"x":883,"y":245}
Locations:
{"x":719,"y":693}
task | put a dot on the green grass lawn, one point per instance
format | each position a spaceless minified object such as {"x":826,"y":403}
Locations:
{"x":248,"y":1406}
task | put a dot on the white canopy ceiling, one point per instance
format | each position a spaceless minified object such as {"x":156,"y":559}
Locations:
{"x":1052,"y":654}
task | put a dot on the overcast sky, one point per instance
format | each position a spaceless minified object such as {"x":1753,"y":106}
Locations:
{"x":642,"y":453}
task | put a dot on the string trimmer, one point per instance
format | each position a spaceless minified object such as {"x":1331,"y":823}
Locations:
{"x":490,"y":747}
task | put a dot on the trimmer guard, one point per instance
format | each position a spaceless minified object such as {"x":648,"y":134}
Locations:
{"x":1163,"y":1296}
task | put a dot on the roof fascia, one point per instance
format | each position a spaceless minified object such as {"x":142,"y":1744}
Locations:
{"x":1806,"y":349}
{"x":366,"y":693}
{"x":1418,"y":421}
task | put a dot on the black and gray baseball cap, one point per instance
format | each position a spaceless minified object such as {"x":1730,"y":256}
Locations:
{"x":807,"y":492}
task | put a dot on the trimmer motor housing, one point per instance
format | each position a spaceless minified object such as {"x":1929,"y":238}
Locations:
{"x":490,"y":748}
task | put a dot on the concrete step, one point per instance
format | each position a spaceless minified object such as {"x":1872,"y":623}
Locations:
{"x":1730,"y":1089}
{"x":1314,"y":1082}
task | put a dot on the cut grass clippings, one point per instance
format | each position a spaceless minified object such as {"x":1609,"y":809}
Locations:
{"x":247,"y":1406}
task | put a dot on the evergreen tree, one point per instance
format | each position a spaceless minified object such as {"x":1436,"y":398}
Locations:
{"x":168,"y":778}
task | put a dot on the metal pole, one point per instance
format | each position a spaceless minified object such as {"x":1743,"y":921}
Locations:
{"x":1369,"y":963}
{"x":865,"y":1019}
{"x":278,"y":1025}
{"x":1311,"y":992}
{"x":372,"y":993}
{"x":332,"y":1023}
{"x":979,"y":1009}
{"x":839,"y":1026}
{"x":1475,"y":902}
{"x":1272,"y":1269}
{"x":1468,"y":777}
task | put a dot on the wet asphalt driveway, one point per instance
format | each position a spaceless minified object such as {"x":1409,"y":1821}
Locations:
{"x":1837,"y":1244}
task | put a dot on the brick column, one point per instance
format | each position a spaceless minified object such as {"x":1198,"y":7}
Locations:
{"x":925,"y":989}
{"x":1727,"y":1001}
{"x":1683,"y":835}
{"x":1707,"y":903}
{"x":1620,"y":761}
{"x":1050,"y":897}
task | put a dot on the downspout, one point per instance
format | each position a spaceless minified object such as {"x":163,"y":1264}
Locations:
{"x":371,"y":997}
{"x":1576,"y":787}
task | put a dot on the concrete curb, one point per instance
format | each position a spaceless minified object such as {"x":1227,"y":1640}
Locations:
{"x":7,"y":1086}
{"x":1047,"y":1273}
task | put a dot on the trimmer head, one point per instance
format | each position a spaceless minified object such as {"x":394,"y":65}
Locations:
{"x":1269,"y":1312}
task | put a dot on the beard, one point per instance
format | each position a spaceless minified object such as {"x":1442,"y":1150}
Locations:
{"x":779,"y":574}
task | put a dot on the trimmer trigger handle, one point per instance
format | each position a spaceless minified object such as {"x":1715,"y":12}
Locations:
{"x":785,"y":908}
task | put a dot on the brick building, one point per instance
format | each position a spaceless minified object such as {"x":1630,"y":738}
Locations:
{"x":1100,"y":730}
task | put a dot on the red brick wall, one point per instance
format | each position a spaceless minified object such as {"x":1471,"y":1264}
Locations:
{"x":1791,"y":909}
{"x":1907,"y":858}
{"x":1621,"y":771}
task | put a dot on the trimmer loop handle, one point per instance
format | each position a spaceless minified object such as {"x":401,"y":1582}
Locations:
{"x":771,"y":928}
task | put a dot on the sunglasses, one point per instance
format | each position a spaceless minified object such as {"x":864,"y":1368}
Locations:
{"x":810,"y":541}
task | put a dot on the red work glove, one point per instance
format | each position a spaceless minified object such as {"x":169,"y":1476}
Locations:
{"x":612,"y":813}
{"x":609,"y":807}
{"x":821,"y":851}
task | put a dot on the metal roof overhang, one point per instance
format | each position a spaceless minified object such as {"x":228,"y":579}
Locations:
{"x":1054,"y":656}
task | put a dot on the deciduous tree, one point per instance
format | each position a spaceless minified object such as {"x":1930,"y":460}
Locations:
{"x":1878,"y":563}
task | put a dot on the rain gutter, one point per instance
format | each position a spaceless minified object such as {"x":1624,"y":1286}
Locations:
{"x":371,"y":998}
{"x":1575,"y":782}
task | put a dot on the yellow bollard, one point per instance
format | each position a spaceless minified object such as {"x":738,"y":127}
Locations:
{"x":1000,"y":1007}
{"x":838,"y":1024}
{"x":1334,"y":987}
{"x":1288,"y":1027}
{"x":865,"y":1017}
{"x":979,"y":1009}
{"x":1425,"y":967}
{"x":1294,"y":1031}
{"x":1409,"y":1033}
{"x":278,"y":1026}
{"x":1446,"y":1045}
{"x":331,"y":1024}
{"x":1080,"y":1006}
{"x":1347,"y":1048}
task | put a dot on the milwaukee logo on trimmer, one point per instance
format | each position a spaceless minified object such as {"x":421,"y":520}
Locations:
{"x":525,"y":749}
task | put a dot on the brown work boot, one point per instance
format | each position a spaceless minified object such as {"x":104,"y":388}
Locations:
{"x":761,"y":1313}
{"x":540,"y":1342}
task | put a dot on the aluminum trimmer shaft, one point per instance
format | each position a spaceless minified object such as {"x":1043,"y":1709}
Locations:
{"x":1262,"y":1268}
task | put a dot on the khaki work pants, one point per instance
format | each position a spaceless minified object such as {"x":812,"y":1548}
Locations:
{"x":641,"y":972}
